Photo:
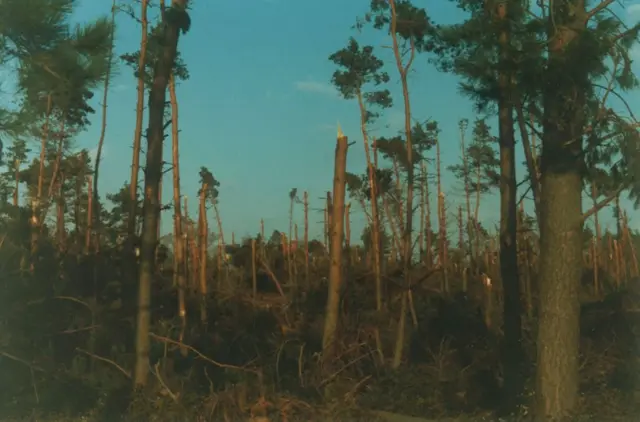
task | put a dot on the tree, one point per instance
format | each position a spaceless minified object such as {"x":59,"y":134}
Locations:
{"x":357,"y":68}
{"x":175,"y":21}
{"x":586,"y":47}
{"x":337,"y":243}
{"x":58,"y":83}
{"x":143,"y":62}
{"x":488,"y":35}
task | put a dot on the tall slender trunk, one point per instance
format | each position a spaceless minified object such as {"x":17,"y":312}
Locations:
{"x":179,"y":257}
{"x":561,"y":219}
{"x":16,"y":189}
{"x":428,"y":227}
{"x":467,"y":184}
{"x":36,"y":206}
{"x":137,"y":136}
{"x":306,"y":238}
{"x":529,"y":154}
{"x":103,"y":127}
{"x":61,"y":233}
{"x":373,"y":188}
{"x":423,"y":210}
{"x":407,"y":253}
{"x":292,"y":280}
{"x":512,"y":316}
{"x":89,"y":230}
{"x":203,"y":236}
{"x":597,"y":242}
{"x":153,"y":174}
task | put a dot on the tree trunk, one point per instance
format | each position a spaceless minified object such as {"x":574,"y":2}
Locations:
{"x":103,"y":127}
{"x":179,"y":249}
{"x":375,"y":217}
{"x":561,"y":222}
{"x":512,"y":318}
{"x":337,"y":235}
{"x":16,"y":190}
{"x":306,"y":239}
{"x":137,"y":136}
{"x":89,"y":230}
{"x":407,"y":253}
{"x":36,"y":206}
{"x":153,"y":174}
{"x":204,"y":235}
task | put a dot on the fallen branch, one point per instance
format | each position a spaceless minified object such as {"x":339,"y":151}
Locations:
{"x":171,"y":394}
{"x":201,"y":356}
{"x":22,"y":361}
{"x":109,"y":361}
{"x":272,"y":276}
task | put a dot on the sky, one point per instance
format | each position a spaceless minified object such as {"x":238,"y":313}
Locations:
{"x":259,"y":110}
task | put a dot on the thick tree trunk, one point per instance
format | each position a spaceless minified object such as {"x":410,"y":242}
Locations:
{"x":337,"y":235}
{"x":561,"y":222}
{"x":153,"y":175}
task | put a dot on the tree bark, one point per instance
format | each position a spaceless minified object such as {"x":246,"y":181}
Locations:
{"x":153,"y":174}
{"x":561,"y":221}
{"x":179,"y":247}
{"x":137,"y":136}
{"x":512,"y":319}
{"x":336,"y":248}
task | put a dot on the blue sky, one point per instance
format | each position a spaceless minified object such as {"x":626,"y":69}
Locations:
{"x":259,"y":111}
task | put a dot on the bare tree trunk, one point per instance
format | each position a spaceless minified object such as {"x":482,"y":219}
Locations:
{"x":89,"y":231}
{"x":428,"y":225}
{"x":103,"y":127}
{"x":306,"y":239}
{"x":61,"y":233}
{"x":337,"y":235}
{"x":467,"y":183}
{"x":375,"y":217}
{"x":403,"y":70}
{"x":178,"y":238}
{"x":204,"y":234}
{"x":153,"y":175}
{"x":16,"y":189}
{"x":137,"y":136}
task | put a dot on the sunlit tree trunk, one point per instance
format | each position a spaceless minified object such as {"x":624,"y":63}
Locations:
{"x":337,"y":242}
{"x":153,"y":175}
{"x":561,"y":222}
{"x":178,"y":238}
{"x":137,"y":136}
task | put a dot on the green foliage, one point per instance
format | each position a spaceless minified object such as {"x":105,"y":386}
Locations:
{"x":357,"y":67}
{"x":28,"y":28}
{"x":209,"y":183}
{"x":152,"y":55}
{"x":367,"y":240}
{"x":68,"y":71}
{"x":483,"y":163}
{"x":423,"y":137}
{"x":412,"y":23}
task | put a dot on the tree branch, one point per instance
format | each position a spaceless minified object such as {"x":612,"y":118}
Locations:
{"x":597,"y":207}
{"x":599,"y":8}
